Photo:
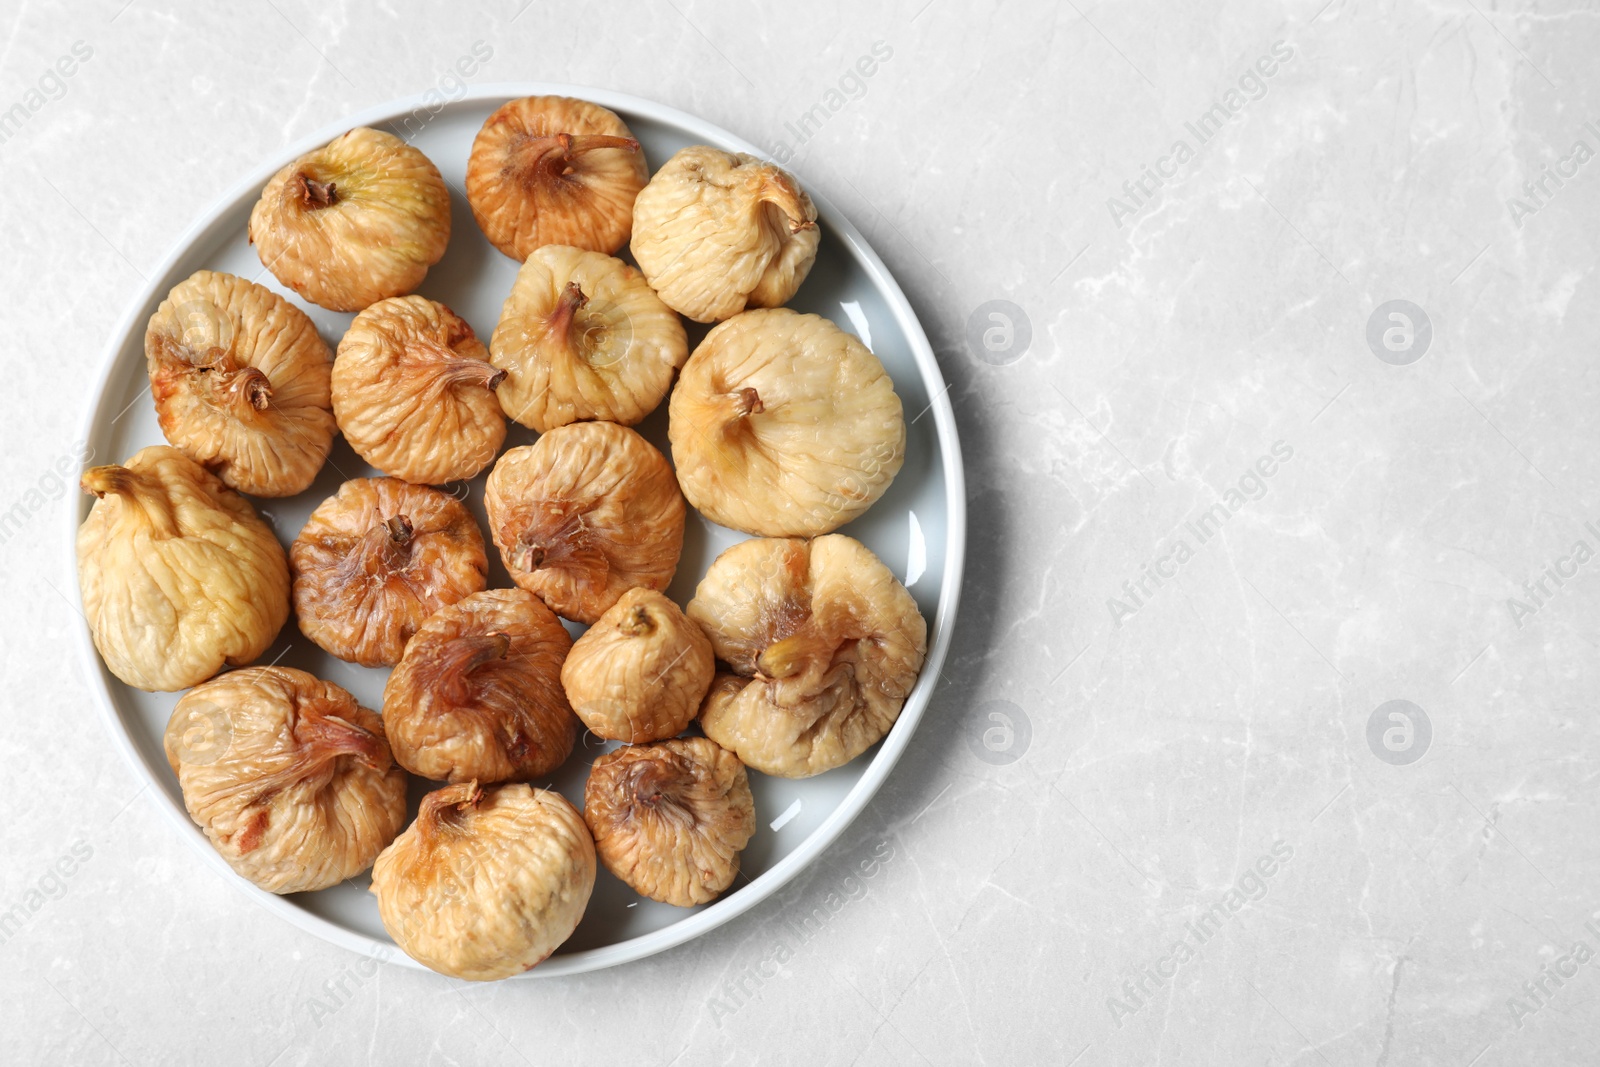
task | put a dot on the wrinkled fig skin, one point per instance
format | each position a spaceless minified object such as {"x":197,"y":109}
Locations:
{"x":240,"y":380}
{"x":178,"y":574}
{"x":478,"y":695}
{"x":584,"y":514}
{"x":359,"y":219}
{"x":582,"y":336}
{"x":783,"y":425}
{"x":551,"y":170}
{"x":487,"y":882}
{"x":824,"y":644}
{"x":671,"y":818}
{"x":414,"y":392}
{"x":375,"y":560}
{"x":716,"y":232}
{"x":293,"y":786}
{"x":639,"y":673}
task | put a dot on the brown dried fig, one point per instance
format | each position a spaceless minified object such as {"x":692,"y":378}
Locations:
{"x":584,"y":514}
{"x":638,"y":674}
{"x":359,"y":219}
{"x":583,"y":337}
{"x":487,"y":882}
{"x":477,"y":695}
{"x":240,"y":380}
{"x":716,"y":232}
{"x":671,"y":818}
{"x":551,"y":170}
{"x":413,"y":392}
{"x":375,"y":560}
{"x":825,"y":645}
{"x":782,"y":424}
{"x":292,"y":782}
{"x":178,"y":574}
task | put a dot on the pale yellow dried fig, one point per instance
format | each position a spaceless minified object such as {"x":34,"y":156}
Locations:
{"x":240,"y":380}
{"x":582,"y":336}
{"x":551,"y":170}
{"x":477,"y":695}
{"x":639,"y":672}
{"x":671,"y":818}
{"x":357,"y":220}
{"x":291,"y":779}
{"x":179,"y":575}
{"x":716,"y":232}
{"x":825,"y":645}
{"x":782,"y":424}
{"x":487,"y":882}
{"x":414,"y":392}
{"x":584,"y":514}
{"x":375,"y":560}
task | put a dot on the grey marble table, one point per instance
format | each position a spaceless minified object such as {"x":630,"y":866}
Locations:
{"x":1269,"y":735}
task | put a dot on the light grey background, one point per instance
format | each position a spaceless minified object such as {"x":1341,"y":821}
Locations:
{"x":1152,"y":757}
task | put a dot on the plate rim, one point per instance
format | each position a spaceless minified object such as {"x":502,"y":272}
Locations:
{"x":873,"y":775}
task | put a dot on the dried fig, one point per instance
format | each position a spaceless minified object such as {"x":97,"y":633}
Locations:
{"x":293,"y":784}
{"x":670,"y":819}
{"x":477,"y":694}
{"x":583,"y":337}
{"x":179,"y":576}
{"x":716,"y":232}
{"x":413,"y":391}
{"x":359,"y":219}
{"x":584,"y":514}
{"x":551,"y":170}
{"x":240,"y":381}
{"x":487,"y":882}
{"x":825,"y":645}
{"x":638,"y":674}
{"x":375,"y":560}
{"x":782,"y":424}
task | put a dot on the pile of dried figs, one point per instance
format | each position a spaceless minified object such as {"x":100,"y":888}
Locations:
{"x":794,"y":656}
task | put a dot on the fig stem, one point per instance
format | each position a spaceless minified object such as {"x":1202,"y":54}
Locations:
{"x":749,"y":403}
{"x":137,"y":491}
{"x":550,"y":158}
{"x":456,"y":660}
{"x":562,"y":317}
{"x":383,"y":547}
{"x":109,"y":478}
{"x":778,"y":189}
{"x":230,"y":382}
{"x":250,"y":386}
{"x":326,"y":736}
{"x":638,"y":623}
{"x":577,"y":144}
{"x":647,"y":779}
{"x":739,"y":405}
{"x":315,"y":194}
{"x":473,"y":372}
{"x":321,"y":735}
{"x":553,"y":535}
{"x":786,"y":657}
{"x":438,"y":805}
{"x":656,"y":784}
{"x":439,"y":357}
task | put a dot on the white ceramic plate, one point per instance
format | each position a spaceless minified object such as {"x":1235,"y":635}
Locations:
{"x":918,"y":528}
